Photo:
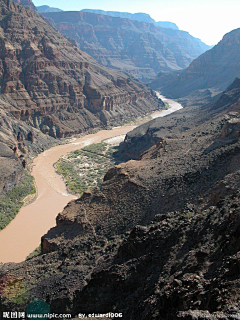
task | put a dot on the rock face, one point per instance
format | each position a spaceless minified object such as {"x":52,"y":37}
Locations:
{"x":11,"y":170}
{"x":142,"y":17}
{"x":27,"y":3}
{"x":170,"y":271}
{"x":139,"y":48}
{"x":207,"y":75}
{"x":159,"y":239}
{"x":42,"y":9}
{"x":18,"y":141}
{"x":53,"y":86}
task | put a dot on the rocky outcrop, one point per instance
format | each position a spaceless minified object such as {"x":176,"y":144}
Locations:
{"x":139,"y":48}
{"x":11,"y":169}
{"x":53,"y":86}
{"x":18,"y":141}
{"x":185,"y":265}
{"x":27,"y":3}
{"x":207,"y":75}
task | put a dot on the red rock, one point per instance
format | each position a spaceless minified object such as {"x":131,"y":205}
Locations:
{"x":54,"y":86}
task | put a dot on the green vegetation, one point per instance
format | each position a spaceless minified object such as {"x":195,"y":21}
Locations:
{"x":73,"y":181}
{"x":12,"y":201}
{"x":138,"y":120}
{"x":167,"y":105}
{"x":85,"y":168}
{"x":35,"y":253}
{"x":99,"y":148}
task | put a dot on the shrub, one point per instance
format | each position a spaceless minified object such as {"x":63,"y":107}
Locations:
{"x":12,"y":201}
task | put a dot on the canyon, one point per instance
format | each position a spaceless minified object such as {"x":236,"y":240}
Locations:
{"x":52,"y":196}
{"x":159,"y":238}
{"x":50,"y":89}
{"x":141,"y":49}
{"x":142,"y":17}
{"x":49,"y":83}
{"x":207,"y":76}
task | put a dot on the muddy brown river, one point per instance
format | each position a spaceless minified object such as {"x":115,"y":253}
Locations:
{"x":23,"y":234}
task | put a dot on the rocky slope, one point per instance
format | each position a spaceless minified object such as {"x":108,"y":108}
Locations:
{"x":27,"y":3}
{"x":139,"y":48}
{"x":19,"y":142}
{"x":142,"y":138}
{"x":207,"y":75}
{"x":159,"y":239}
{"x":51,"y":85}
{"x":142,"y":17}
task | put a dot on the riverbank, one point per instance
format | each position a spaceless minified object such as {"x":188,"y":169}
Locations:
{"x":174,"y":106}
{"x":84,"y":169}
{"x":14,"y":199}
{"x":23,"y":234}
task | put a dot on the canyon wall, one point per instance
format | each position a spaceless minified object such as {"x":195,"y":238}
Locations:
{"x":141,"y":49}
{"x":159,"y":237}
{"x":207,"y":76}
{"x":51,"y":85}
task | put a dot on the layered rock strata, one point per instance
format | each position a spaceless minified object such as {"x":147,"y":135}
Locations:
{"x":206,"y":76}
{"x":19,"y":142}
{"x":53,"y":86}
{"x":142,"y":17}
{"x":139,"y":48}
{"x":159,"y":238}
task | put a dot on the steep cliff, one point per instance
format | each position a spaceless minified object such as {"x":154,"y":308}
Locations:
{"x":52,"y":85}
{"x":27,"y":3}
{"x":19,"y":142}
{"x":11,"y":169}
{"x":207,"y":76}
{"x":142,"y":17}
{"x":142,"y":49}
{"x":158,"y":239}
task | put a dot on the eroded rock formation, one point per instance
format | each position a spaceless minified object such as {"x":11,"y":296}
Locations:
{"x":159,"y":238}
{"x":141,"y":49}
{"x":27,"y":3}
{"x":207,"y":76}
{"x":52,"y":85}
{"x":17,"y":142}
